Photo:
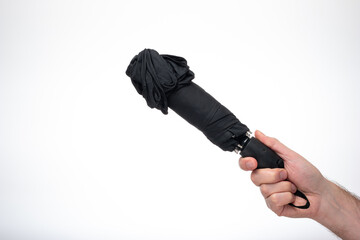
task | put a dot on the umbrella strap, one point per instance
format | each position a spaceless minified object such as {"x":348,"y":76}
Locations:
{"x":300,"y":194}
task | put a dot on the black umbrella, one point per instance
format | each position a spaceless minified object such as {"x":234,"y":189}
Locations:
{"x":166,"y":81}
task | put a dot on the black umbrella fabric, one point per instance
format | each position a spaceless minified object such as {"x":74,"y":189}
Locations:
{"x":166,"y":81}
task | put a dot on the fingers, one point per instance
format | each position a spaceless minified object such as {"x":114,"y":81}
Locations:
{"x":267,"y":175}
{"x":275,"y":184}
{"x":272,"y":143}
{"x":248,"y":163}
{"x":284,"y":186}
{"x":277,"y":201}
{"x":278,"y":192}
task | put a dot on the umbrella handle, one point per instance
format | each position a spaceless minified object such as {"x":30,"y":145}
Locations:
{"x":267,"y":158}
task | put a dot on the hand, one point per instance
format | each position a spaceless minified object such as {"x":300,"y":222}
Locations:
{"x":330,"y":205}
{"x":279,"y":185}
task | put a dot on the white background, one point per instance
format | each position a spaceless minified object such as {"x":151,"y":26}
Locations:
{"x":83,"y":157}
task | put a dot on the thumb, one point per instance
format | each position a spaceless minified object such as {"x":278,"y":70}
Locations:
{"x":283,"y":151}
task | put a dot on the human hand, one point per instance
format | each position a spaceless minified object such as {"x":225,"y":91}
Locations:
{"x":279,"y":185}
{"x":330,"y":205}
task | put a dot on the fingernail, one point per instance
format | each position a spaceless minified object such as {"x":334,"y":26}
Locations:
{"x":250,"y":165}
{"x":293,"y":188}
{"x":283,"y":175}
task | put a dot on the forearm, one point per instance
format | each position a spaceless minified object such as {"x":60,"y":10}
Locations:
{"x":340,"y":212}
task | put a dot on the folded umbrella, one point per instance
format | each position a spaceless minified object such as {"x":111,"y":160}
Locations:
{"x":165,"y":81}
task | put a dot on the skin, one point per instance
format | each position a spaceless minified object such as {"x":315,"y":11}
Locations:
{"x":331,"y":205}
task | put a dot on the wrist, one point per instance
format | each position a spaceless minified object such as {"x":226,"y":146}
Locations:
{"x":339,"y":211}
{"x":327,"y":204}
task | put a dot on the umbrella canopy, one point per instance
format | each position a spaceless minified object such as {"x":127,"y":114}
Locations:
{"x":166,"y":81}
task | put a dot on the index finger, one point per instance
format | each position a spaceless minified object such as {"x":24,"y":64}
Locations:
{"x":247,"y":163}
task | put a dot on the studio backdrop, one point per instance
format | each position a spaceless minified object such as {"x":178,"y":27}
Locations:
{"x":82,"y":156}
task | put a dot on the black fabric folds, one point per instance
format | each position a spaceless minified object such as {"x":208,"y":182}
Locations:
{"x":155,"y":76}
{"x":166,"y":81}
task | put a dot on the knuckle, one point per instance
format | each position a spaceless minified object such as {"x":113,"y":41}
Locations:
{"x":241,"y":163}
{"x":271,"y":205}
{"x":264,"y":190}
{"x":253,"y":177}
{"x":268,"y":204}
{"x":278,"y":213}
{"x":275,"y":200}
